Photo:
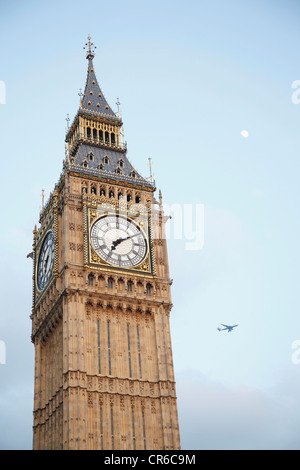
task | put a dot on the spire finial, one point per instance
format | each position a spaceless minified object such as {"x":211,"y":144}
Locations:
{"x":43,"y":199}
{"x":90,"y":46}
{"x":118,"y":104}
{"x":150,"y":167}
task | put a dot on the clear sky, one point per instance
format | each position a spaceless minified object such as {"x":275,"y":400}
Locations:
{"x":190,"y":76}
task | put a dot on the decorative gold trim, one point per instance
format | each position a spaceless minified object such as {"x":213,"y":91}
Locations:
{"x":92,"y":259}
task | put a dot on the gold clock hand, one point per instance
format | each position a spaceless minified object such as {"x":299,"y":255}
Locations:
{"x":120,"y":240}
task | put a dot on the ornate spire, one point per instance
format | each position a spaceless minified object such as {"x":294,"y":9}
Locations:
{"x":93,"y":100}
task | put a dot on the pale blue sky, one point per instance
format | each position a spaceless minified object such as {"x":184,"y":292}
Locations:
{"x":190,"y":77}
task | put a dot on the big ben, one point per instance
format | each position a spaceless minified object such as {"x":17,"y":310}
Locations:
{"x":104,"y":375}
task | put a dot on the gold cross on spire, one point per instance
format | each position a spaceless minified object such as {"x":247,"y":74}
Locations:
{"x":91,"y":47}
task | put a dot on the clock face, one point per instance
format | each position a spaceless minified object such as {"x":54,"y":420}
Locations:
{"x":118,"y":241}
{"x":46,"y":260}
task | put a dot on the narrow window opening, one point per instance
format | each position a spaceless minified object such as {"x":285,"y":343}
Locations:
{"x":99,"y":351}
{"x":129,"y":354}
{"x":108,"y":346}
{"x":133,"y":428}
{"x":101,"y":428}
{"x":144,"y":430}
{"x":139,"y":350}
{"x":112,"y":427}
{"x":148,"y":289}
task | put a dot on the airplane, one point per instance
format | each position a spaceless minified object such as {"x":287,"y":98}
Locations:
{"x":229,"y":328}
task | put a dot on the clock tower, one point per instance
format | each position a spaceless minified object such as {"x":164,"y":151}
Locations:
{"x":104,"y":376}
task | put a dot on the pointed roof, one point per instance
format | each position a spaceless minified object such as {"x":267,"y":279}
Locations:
{"x":93,"y":99}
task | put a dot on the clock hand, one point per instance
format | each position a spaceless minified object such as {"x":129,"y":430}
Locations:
{"x":45,"y":265}
{"x":119,"y":240}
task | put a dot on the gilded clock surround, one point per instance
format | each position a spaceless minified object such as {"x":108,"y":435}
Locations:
{"x":104,"y":376}
{"x":137,"y":213}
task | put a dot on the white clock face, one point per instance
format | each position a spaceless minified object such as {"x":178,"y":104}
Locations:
{"x":46,"y":260}
{"x":118,"y":241}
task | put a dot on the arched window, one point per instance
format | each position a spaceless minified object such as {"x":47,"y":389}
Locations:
{"x":106,"y":137}
{"x":93,"y":190}
{"x":88,"y":132}
{"x":106,"y":160}
{"x":95,"y":134}
{"x":129,"y":197}
{"x":91,"y":280}
{"x":111,"y":194}
{"x":102,"y":192}
{"x":110,"y":283}
{"x":101,"y":135}
{"x":120,"y":196}
{"x":148,"y":289}
{"x":137,"y":199}
{"x":129,"y":286}
{"x":112,"y":138}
